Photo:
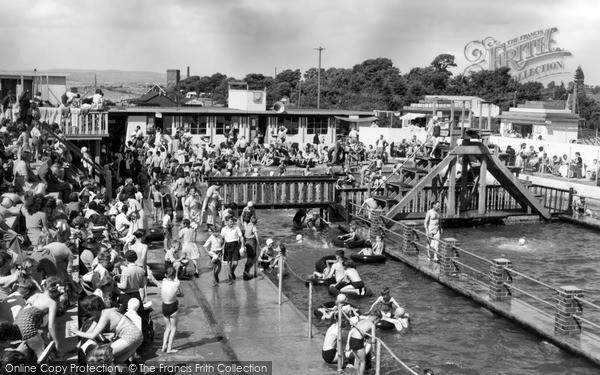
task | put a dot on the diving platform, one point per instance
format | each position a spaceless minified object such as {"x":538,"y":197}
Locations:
{"x":462,"y":183}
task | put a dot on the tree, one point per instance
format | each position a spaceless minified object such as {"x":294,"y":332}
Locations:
{"x":442,"y":62}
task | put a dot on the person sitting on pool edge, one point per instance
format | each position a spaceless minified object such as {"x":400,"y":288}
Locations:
{"x":351,"y":283}
{"x":267,"y":254}
{"x":581,"y":208}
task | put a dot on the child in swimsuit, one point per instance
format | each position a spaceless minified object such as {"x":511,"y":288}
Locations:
{"x":170,"y":288}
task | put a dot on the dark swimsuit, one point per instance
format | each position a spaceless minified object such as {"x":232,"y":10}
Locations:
{"x":170,"y":308}
{"x":356,"y":344}
{"x":329,"y":355}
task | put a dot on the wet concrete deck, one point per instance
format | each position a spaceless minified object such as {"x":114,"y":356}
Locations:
{"x":239,"y":322}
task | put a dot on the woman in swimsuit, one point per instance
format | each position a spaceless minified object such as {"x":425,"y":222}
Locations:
{"x":30,"y":318}
{"x":128,"y":337}
{"x":170,"y":306}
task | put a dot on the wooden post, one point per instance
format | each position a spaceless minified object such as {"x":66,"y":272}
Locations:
{"x":471,"y":115}
{"x":378,"y":357}
{"x":453,"y":142}
{"x":462,"y":120}
{"x":572,"y":193}
{"x":310,"y":293}
{"x":280,"y":278}
{"x":464,"y":190}
{"x":450,"y":209}
{"x":340,"y":348}
{"x":482,"y":187}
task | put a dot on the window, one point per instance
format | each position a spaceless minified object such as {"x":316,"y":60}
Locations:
{"x":224,"y":124}
{"x":197,"y":125}
{"x":316,"y":125}
{"x":150,"y":123}
{"x":167,"y":125}
{"x":342,"y":128}
{"x":292,"y":124}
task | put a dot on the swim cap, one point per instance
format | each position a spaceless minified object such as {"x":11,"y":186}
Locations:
{"x":298,"y":237}
{"x":341,"y":298}
{"x":250,"y":204}
{"x":272,"y":174}
{"x":522,"y":242}
{"x":269,"y":241}
{"x":399,"y":312}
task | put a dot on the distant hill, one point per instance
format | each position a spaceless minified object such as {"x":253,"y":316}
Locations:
{"x":82,"y":77}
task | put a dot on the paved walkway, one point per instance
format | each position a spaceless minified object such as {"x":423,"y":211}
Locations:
{"x":239,"y":322}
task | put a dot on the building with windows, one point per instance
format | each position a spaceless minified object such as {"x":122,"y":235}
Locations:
{"x":215,"y":123}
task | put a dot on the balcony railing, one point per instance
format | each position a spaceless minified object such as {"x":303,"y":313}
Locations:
{"x":77,"y":123}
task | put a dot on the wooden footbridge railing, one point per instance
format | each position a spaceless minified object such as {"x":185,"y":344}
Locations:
{"x":278,"y":191}
{"x":497,"y":199}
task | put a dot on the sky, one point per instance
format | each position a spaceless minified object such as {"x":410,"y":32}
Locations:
{"x":236,"y":37}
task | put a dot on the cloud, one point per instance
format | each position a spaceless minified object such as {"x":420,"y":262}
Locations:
{"x":239,"y":37}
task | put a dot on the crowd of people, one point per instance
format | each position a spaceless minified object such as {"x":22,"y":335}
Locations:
{"x":561,"y":166}
{"x":55,"y":208}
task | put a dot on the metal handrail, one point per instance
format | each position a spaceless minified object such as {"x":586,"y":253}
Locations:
{"x":469,"y":267}
{"x":509,"y":286}
{"x":510,"y":270}
{"x":586,"y":321}
{"x":441,"y":241}
{"x":586,"y":302}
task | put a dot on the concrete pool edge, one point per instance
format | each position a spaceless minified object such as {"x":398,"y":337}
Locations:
{"x":586,"y":345}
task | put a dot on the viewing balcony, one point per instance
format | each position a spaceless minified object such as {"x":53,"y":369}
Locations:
{"x":78,"y":123}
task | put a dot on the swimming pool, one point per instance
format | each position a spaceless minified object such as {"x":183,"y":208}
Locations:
{"x":450,"y":333}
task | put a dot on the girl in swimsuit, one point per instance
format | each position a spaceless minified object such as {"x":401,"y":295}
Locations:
{"x":128,"y":337}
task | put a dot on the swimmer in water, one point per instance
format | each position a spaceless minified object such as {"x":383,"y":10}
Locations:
{"x":299,"y":239}
{"x":522,"y":242}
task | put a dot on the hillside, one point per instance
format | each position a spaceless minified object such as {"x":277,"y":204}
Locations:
{"x":81,"y":77}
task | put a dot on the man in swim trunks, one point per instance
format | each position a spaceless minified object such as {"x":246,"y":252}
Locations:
{"x":357,"y":337}
{"x":329,"y":352}
{"x":433,"y":230}
{"x":351,"y":281}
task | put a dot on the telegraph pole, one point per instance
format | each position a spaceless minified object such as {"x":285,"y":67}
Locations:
{"x":319,"y":78}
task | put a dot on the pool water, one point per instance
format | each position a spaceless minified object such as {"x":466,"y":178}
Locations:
{"x":450,"y":333}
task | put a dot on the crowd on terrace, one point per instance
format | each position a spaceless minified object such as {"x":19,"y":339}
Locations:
{"x":55,"y":207}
